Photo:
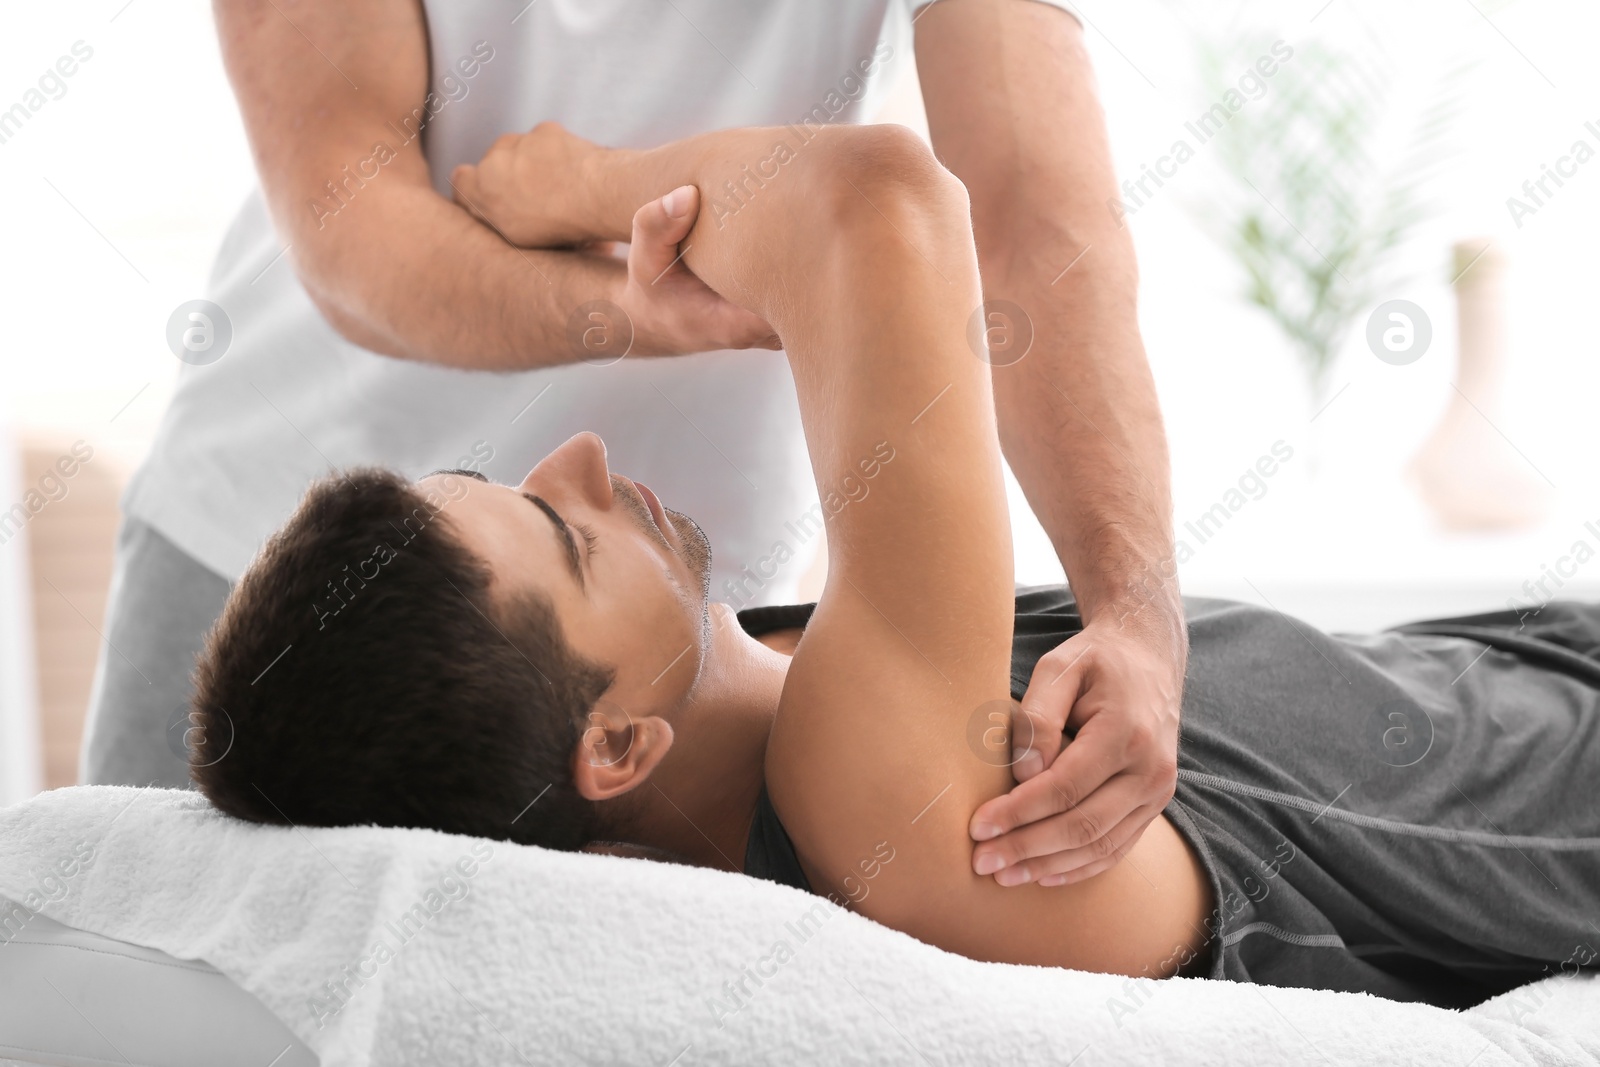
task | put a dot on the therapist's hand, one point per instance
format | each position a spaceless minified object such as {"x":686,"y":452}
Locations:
{"x":1081,"y":803}
{"x":538,"y":190}
{"x":533,"y":188}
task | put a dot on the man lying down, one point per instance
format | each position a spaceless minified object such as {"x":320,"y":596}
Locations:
{"x":1412,"y":813}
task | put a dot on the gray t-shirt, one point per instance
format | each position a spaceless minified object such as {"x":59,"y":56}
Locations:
{"x":1411,"y":814}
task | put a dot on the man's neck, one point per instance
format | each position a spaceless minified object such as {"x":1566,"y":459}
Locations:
{"x":699,"y":802}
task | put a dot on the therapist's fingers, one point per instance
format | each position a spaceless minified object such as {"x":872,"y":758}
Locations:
{"x":658,"y":227}
{"x":1092,"y":758}
{"x":1038,"y":729}
{"x":1080,"y":831}
{"x":1080,"y":864}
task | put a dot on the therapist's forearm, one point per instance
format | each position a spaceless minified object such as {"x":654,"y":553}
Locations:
{"x":1013,"y":111}
{"x":486,"y":281}
{"x":412,"y":275}
{"x":1081,"y":426}
{"x":394,"y":266}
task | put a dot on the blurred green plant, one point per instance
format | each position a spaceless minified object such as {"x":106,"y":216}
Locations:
{"x":1321,"y":189}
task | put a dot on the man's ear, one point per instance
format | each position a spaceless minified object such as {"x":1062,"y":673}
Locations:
{"x":617,"y":752}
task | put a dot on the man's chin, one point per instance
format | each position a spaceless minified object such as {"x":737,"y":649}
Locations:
{"x":696,"y":550}
{"x":696,"y":555}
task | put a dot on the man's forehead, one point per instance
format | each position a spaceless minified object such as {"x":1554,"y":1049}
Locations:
{"x":450,"y":476}
{"x":491,"y":520}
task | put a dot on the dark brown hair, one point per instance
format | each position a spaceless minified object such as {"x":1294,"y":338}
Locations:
{"x":360,"y":674}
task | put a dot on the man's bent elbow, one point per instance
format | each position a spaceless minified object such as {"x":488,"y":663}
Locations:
{"x":887,"y":170}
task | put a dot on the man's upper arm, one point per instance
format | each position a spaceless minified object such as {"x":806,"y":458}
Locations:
{"x":318,"y":86}
{"x":871,"y":752}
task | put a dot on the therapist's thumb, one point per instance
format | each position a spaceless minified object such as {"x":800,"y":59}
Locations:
{"x":658,"y":227}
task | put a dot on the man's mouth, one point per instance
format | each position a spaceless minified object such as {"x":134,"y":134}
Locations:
{"x":658,"y":514}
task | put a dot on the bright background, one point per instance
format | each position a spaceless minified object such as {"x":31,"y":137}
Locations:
{"x":118,"y":194}
{"x":1350,"y":544}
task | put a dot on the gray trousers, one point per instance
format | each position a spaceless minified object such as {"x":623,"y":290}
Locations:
{"x":161,"y":605}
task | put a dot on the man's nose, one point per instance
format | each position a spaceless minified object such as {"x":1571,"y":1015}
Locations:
{"x":578,"y":465}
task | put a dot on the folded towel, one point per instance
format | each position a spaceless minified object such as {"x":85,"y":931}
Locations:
{"x":379,"y":946}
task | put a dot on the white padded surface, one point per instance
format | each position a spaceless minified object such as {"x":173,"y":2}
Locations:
{"x":382,"y":946}
{"x":76,"y":999}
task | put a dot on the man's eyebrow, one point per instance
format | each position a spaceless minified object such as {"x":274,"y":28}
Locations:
{"x":457,"y":470}
{"x":565,"y":532}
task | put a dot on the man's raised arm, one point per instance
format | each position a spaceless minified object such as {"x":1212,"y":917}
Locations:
{"x":858,"y":250}
{"x":400,"y":269}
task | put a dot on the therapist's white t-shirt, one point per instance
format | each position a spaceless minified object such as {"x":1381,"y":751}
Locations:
{"x":716,"y":435}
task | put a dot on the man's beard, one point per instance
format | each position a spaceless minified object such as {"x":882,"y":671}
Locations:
{"x":697,"y":554}
{"x":696,"y":545}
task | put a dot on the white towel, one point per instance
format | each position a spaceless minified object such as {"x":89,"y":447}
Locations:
{"x":381,"y":946}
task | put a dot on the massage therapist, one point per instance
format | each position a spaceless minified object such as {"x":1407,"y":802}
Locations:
{"x":358,"y":313}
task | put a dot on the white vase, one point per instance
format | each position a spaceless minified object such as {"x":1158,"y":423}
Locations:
{"x":1471,"y":476}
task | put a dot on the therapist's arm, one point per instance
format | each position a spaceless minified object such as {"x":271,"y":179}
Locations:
{"x":1013,"y":112}
{"x":397,"y":268}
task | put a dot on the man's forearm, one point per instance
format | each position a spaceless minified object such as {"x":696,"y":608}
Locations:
{"x":1079,"y":420}
{"x":619,"y":180}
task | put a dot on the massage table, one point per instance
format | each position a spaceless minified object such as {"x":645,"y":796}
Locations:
{"x":501,"y":953}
